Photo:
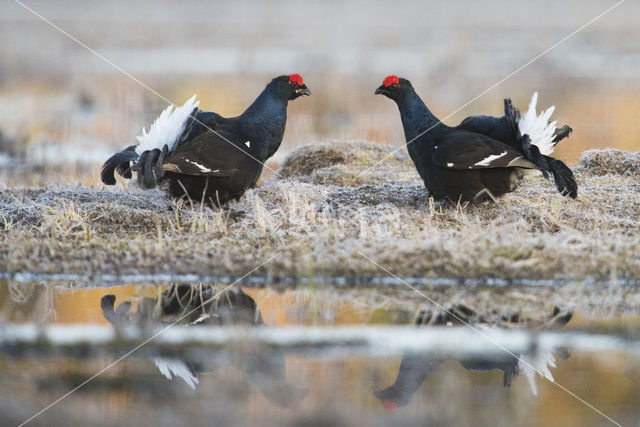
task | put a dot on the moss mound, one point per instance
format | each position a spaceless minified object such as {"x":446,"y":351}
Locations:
{"x":610,"y":161}
{"x":349,"y":163}
{"x":330,"y":227}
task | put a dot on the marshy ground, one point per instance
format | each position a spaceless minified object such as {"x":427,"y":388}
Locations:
{"x":332,"y":212}
{"x":329,"y":213}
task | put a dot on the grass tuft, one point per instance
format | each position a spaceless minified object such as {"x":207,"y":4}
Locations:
{"x":610,"y":161}
{"x":320,"y":228}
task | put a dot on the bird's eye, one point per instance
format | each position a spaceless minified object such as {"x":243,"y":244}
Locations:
{"x":294,"y":84}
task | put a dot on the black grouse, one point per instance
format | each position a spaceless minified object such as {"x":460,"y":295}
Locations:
{"x":201,"y":305}
{"x":202,"y":155}
{"x":483,"y":157}
{"x":416,"y":367}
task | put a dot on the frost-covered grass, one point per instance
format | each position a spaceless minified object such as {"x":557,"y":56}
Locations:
{"x":331,"y":209}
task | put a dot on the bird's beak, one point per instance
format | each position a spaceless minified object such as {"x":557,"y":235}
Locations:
{"x":381,"y":90}
{"x":304,"y":90}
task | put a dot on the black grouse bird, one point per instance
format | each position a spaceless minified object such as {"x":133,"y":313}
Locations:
{"x":202,"y":155}
{"x":415,"y":368}
{"x":201,"y":305}
{"x":483,"y":157}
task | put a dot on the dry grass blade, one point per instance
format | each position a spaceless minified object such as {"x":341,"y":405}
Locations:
{"x":319,"y":220}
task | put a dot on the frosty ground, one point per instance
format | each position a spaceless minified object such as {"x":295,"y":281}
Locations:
{"x":330,"y":209}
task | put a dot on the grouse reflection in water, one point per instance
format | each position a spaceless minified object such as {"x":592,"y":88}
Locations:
{"x":415,"y":368}
{"x":199,"y":305}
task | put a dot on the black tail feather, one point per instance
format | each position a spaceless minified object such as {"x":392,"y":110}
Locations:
{"x":107,"y":304}
{"x":145,"y":168}
{"x":513,"y":116}
{"x":562,"y":175}
{"x":157,"y":169}
{"x":119,"y":162}
{"x":561,"y":133}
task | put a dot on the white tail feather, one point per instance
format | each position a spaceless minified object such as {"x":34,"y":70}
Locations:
{"x":177,"y":367}
{"x":167,"y":128}
{"x":539,"y":129}
{"x":540,"y":363}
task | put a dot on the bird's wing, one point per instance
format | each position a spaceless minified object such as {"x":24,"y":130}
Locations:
{"x":467,"y":150}
{"x":504,"y":128}
{"x":498,"y":128}
{"x":200,"y":122}
{"x":209,"y":154}
{"x":482,"y":124}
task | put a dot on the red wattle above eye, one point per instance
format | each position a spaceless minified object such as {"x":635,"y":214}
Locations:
{"x":389,"y":405}
{"x":389,"y":80}
{"x":295,"y":78}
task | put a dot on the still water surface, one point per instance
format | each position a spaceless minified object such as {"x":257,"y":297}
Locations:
{"x":262,"y":357}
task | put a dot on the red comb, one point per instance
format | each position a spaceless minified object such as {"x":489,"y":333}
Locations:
{"x":389,"y":405}
{"x":389,"y":80}
{"x":295,"y":78}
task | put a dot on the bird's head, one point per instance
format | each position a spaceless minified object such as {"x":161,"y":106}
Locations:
{"x":290,"y":87}
{"x":393,"y":397}
{"x":394,"y":87}
{"x":389,"y":405}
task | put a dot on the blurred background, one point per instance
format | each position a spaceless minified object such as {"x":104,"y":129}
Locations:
{"x":63,"y":110}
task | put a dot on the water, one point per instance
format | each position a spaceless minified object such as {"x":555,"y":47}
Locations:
{"x":297,"y":357}
{"x":308,"y":352}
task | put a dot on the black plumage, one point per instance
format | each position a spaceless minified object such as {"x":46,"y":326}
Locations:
{"x":482,"y":158}
{"x":204,"y":305}
{"x":415,"y":367}
{"x":214,"y":158}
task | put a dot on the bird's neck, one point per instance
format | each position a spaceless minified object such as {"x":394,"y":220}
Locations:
{"x":264,"y":121}
{"x":416,"y":117}
{"x":413,"y":372}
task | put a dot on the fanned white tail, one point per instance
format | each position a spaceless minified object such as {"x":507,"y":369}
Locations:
{"x":539,"y":129}
{"x":540,"y":363}
{"x":167,"y":128}
{"x":177,"y":367}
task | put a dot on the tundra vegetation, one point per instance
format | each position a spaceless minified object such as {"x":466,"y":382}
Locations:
{"x":329,"y":209}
